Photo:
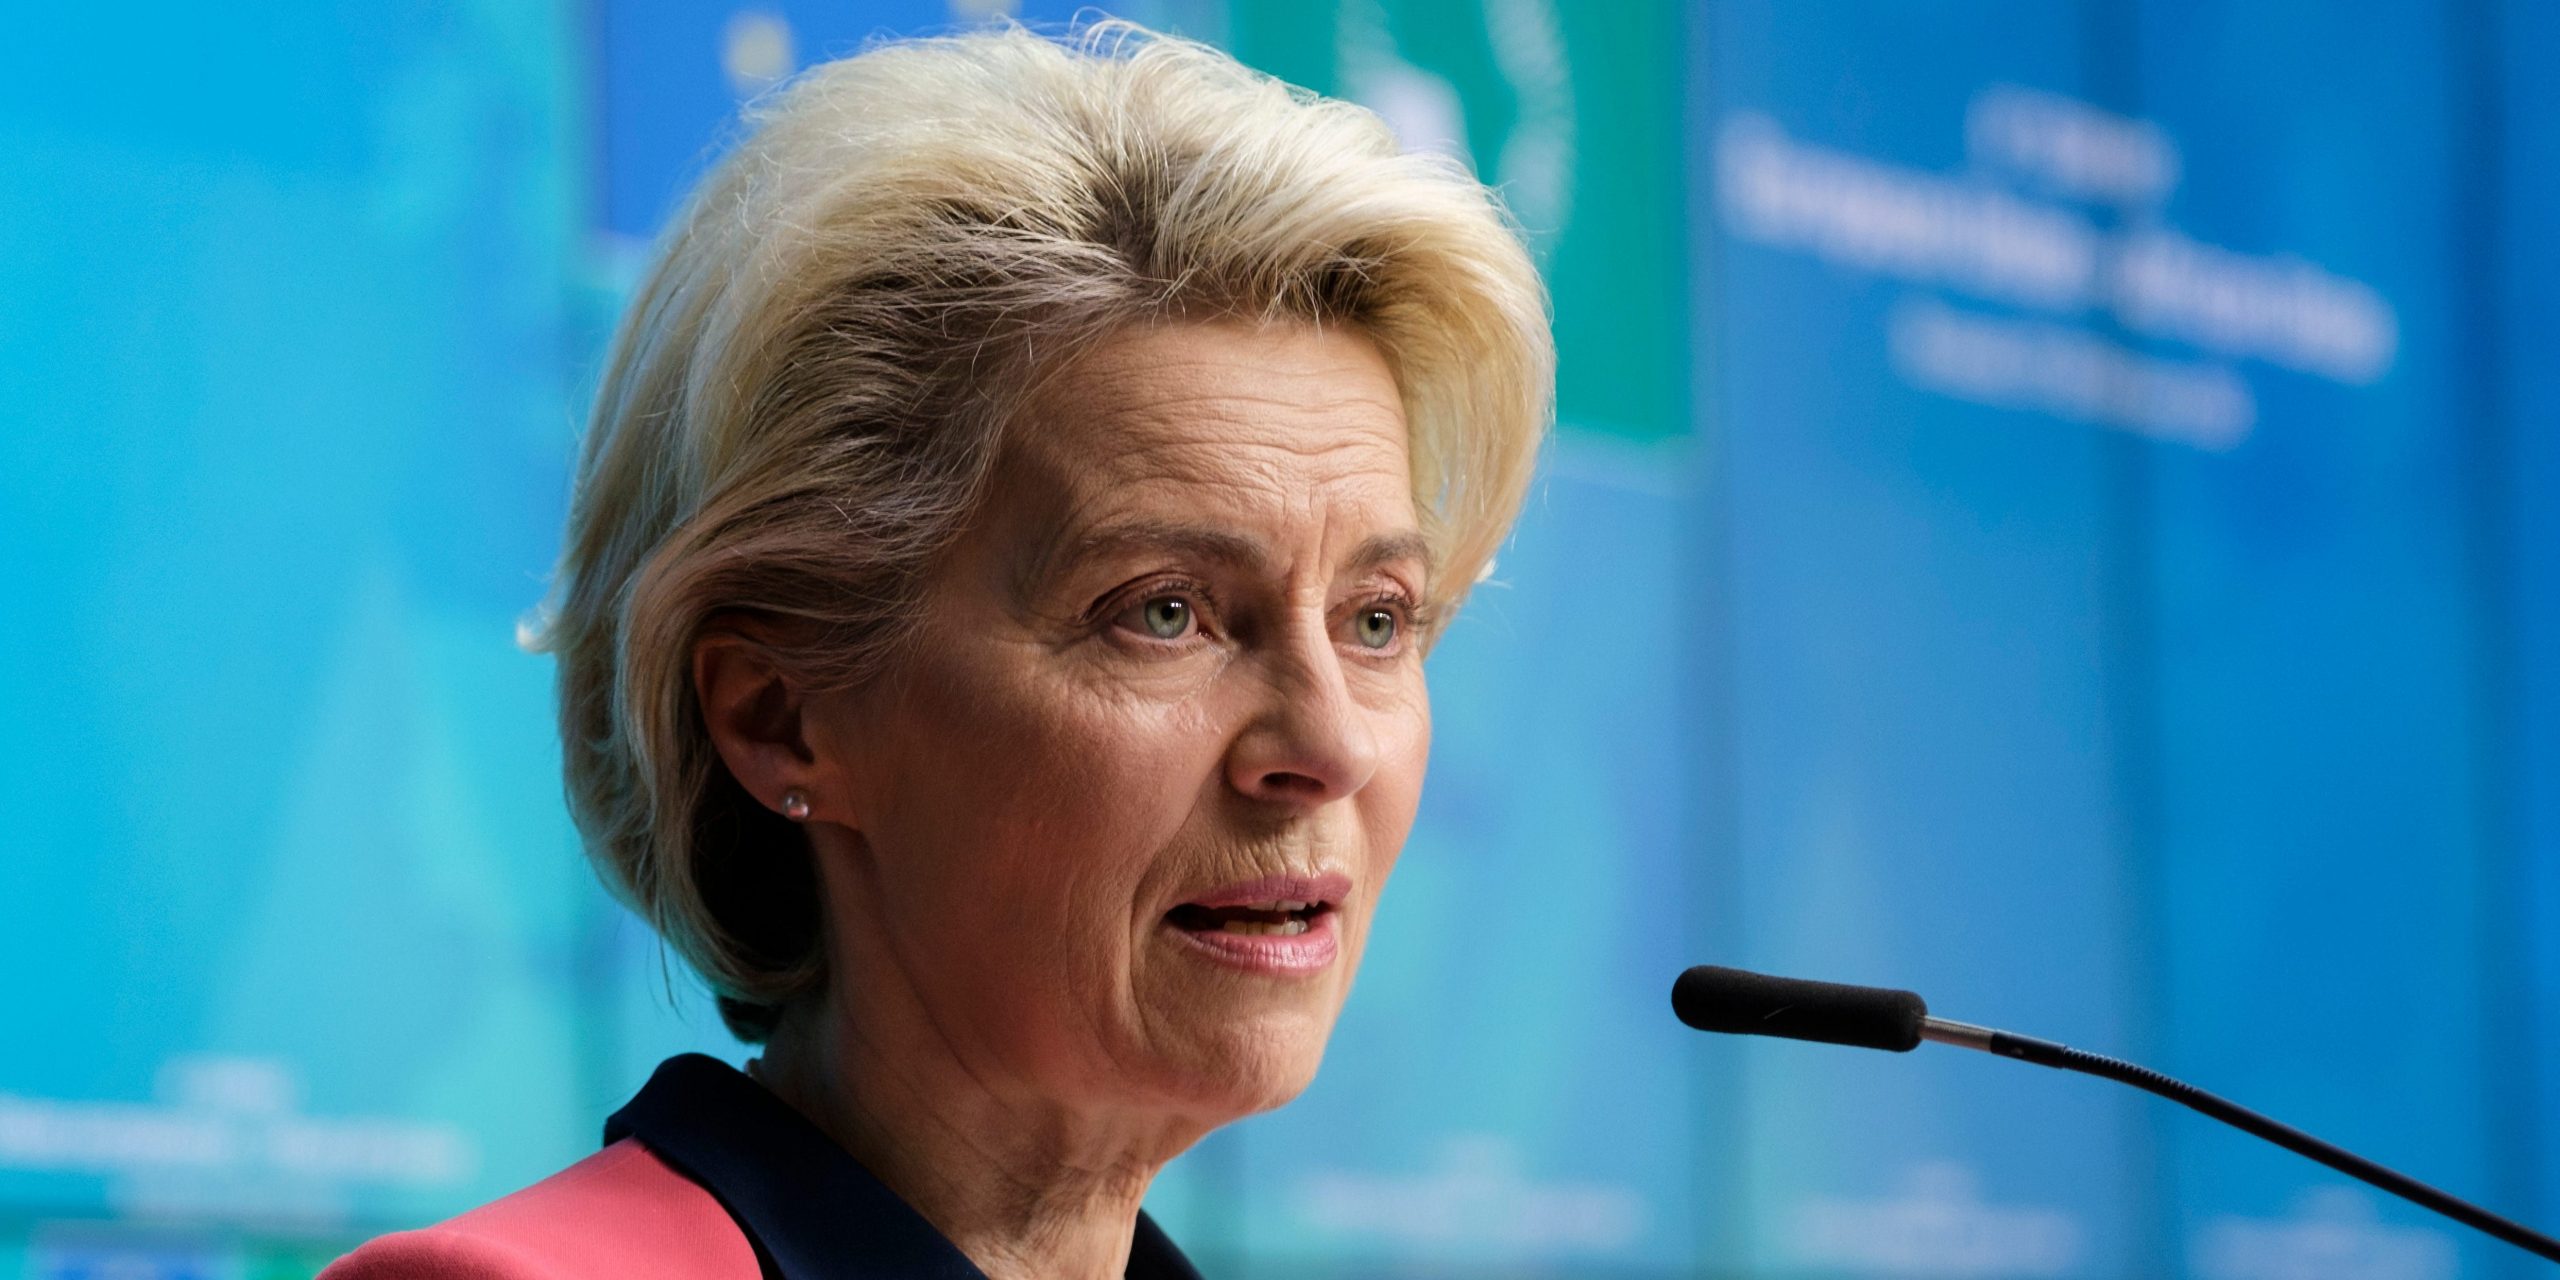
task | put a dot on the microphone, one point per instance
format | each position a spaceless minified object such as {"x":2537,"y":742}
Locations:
{"x":1737,"y":1002}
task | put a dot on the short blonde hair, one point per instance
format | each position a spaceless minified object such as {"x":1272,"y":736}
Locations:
{"x":811,"y":382}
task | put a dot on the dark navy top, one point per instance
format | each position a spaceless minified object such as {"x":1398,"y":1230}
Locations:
{"x":811,"y":1210}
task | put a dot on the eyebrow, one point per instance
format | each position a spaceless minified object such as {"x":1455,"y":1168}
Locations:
{"x":1200,"y":542}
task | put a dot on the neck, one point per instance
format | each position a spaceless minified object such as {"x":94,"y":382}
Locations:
{"x":1024,"y":1186}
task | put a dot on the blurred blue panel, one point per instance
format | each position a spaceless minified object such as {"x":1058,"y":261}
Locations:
{"x":1918,"y":580}
{"x":2324,"y":854}
{"x":674,"y":71}
{"x":259,"y":86}
{"x":2528,"y":305}
{"x":293,"y":917}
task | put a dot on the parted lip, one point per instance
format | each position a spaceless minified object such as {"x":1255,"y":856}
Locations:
{"x":1330,"y":888}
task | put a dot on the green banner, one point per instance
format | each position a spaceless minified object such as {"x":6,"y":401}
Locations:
{"x":1573,"y":111}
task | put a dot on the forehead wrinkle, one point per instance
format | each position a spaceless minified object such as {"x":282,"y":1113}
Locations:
{"x":1145,"y":446}
{"x":1212,"y":432}
{"x":1186,"y":394}
{"x":1206,"y":467}
{"x":1072,"y":547}
{"x":1182,"y":373}
{"x":1219,"y":440}
{"x":1219,"y":492}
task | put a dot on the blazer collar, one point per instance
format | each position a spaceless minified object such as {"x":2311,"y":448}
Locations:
{"x":810,"y":1209}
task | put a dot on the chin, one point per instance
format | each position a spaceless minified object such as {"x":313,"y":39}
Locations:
{"x":1245,"y":1066}
{"x":1226,"y":1041}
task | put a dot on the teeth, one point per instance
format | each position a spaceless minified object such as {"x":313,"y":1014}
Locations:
{"x":1283,"y":929}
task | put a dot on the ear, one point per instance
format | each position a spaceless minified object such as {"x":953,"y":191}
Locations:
{"x":753,"y":713}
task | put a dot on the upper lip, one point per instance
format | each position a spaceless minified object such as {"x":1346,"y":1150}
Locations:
{"x":1327,"y":888}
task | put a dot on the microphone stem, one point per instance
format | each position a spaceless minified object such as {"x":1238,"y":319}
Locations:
{"x":2046,"y":1053}
{"x":1963,"y":1035}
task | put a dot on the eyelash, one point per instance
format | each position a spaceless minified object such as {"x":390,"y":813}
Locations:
{"x":1413,"y":618}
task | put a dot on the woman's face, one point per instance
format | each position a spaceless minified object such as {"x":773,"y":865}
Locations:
{"x":1125,"y":811}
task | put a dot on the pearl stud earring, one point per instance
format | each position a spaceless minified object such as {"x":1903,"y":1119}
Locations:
{"x":795,"y":805}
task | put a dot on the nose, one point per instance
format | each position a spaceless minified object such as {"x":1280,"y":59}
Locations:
{"x":1312,"y":741}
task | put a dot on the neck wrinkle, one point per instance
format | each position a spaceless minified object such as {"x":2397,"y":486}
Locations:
{"x":1027,"y":1188}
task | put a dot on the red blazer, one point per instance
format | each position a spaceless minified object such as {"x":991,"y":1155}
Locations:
{"x":705,"y":1175}
{"x":621,"y":1212}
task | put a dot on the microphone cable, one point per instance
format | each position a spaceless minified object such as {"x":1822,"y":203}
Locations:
{"x":1739,"y":1002}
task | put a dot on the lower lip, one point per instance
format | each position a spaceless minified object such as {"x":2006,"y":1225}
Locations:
{"x":1273,"y":954}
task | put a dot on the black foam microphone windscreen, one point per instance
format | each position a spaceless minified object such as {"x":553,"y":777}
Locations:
{"x":1713,"y":998}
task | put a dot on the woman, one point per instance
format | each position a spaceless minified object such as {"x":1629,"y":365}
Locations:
{"x":990,"y":639}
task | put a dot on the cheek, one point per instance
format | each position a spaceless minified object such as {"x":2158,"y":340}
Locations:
{"x":1388,"y":804}
{"x":1403,"y":760}
{"x":1030,"y":804}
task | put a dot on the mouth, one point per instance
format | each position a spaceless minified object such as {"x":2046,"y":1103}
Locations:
{"x":1278,"y":924}
{"x":1279,"y":918}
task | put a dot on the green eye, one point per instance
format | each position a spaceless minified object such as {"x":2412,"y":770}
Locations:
{"x":1376,"y":628}
{"x":1166,"y":617}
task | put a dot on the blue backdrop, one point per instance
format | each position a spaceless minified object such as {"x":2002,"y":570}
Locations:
{"x":2057,"y":505}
